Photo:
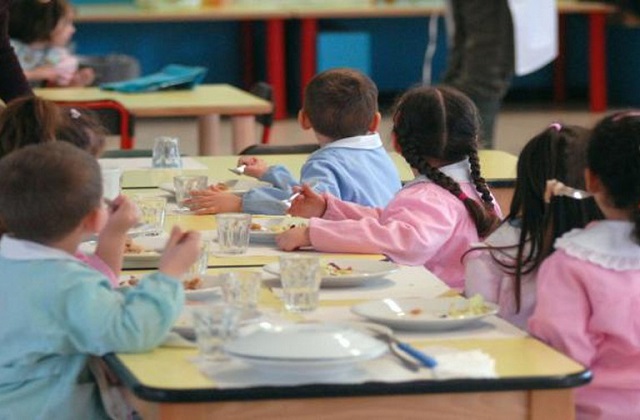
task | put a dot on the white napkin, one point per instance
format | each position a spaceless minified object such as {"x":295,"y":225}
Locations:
{"x":453,"y":363}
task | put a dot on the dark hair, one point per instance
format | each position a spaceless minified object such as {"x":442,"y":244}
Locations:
{"x":341,"y":103}
{"x":442,"y":123}
{"x":614,"y":156}
{"x":34,"y":20}
{"x":46,"y":190}
{"x":558,"y":152}
{"x":32,"y":120}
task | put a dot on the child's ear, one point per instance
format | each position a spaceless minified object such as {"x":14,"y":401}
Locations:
{"x":95,"y":220}
{"x":592,"y":182}
{"x":375,"y":122}
{"x":303,"y":120}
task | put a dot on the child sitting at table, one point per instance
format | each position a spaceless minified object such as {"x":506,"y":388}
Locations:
{"x":56,"y":311}
{"x":33,"y":120}
{"x":503,"y":268}
{"x":434,"y":218}
{"x":341,"y":108}
{"x":588,"y":290}
{"x":40,"y":32}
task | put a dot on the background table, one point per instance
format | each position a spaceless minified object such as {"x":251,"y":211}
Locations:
{"x":206,"y":102}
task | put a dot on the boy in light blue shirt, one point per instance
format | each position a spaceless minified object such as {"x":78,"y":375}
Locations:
{"x":341,"y":107}
{"x":56,"y":311}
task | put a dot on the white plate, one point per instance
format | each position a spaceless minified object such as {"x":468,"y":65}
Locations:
{"x":421,"y":314}
{"x":210,"y":286}
{"x":272,"y":226}
{"x":236,"y":186}
{"x":304,"y":348}
{"x":148,"y":258}
{"x":361,"y":271}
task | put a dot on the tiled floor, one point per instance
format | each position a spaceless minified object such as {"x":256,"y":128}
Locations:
{"x":516,"y":124}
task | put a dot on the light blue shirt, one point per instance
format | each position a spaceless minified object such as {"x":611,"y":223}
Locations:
{"x":56,"y":312}
{"x":355,"y":169}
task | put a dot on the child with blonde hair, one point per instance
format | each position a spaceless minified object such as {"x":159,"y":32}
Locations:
{"x":588,"y":290}
{"x":56,"y":312}
{"x":434,"y":218}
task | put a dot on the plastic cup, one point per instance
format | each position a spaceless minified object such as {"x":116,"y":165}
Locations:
{"x":152,"y":211}
{"x":111,"y":181}
{"x":300,"y":276}
{"x":184,"y":184}
{"x":213,"y":324}
{"x":233,"y":232}
{"x":242,"y":289}
{"x":166,"y":153}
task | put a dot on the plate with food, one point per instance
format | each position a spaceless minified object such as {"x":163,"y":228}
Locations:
{"x":139,"y":252}
{"x":419,"y":314}
{"x":196,"y":288}
{"x":236,"y":186}
{"x":347,"y":272}
{"x":264,"y":230}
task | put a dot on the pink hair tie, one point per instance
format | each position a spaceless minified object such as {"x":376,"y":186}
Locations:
{"x":462,"y":196}
{"x":556,"y":126}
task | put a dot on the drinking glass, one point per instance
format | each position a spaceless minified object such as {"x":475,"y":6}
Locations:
{"x":111,"y":181}
{"x":233,"y":232}
{"x":300,"y":276}
{"x":199,"y":267}
{"x":184,"y":184}
{"x":166,"y":152}
{"x":152,"y":211}
{"x":213,"y":324}
{"x":242,"y":289}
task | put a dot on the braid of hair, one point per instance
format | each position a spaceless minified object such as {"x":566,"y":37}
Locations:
{"x":479,"y":181}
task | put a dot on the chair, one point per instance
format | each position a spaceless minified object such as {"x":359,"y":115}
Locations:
{"x":265,"y":91}
{"x":114,"y":117}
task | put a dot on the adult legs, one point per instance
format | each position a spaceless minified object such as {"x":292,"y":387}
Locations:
{"x":481,"y":60}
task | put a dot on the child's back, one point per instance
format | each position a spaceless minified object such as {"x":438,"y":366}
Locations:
{"x":589,"y":288}
{"x":56,"y":310}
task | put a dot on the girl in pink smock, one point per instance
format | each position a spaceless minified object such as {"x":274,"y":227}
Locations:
{"x":435,"y":217}
{"x":588,"y":291}
{"x":504,"y":266}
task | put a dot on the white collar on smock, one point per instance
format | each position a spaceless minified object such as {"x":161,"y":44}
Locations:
{"x":368,"y":141}
{"x":459,"y":172}
{"x":607,"y":243}
{"x":20,"y":249}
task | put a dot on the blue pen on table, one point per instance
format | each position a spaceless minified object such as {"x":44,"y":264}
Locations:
{"x":423,"y":358}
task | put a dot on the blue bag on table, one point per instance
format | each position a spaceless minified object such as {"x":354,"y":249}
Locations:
{"x":173,"y":76}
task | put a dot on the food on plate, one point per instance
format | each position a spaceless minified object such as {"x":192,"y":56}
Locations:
{"x":256,"y":226}
{"x":416,"y":311}
{"x":130,"y":247}
{"x":192,"y":283}
{"x":473,"y":307}
{"x":333,"y":269}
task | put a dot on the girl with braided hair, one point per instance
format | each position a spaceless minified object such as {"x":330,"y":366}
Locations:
{"x":588,"y":290}
{"x":504,"y":266}
{"x":434,"y":218}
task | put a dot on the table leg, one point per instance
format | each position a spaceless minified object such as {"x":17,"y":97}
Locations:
{"x":209,"y":134}
{"x":243,"y":129}
{"x":275,"y":57}
{"x":597,"y":62}
{"x":308,"y":42}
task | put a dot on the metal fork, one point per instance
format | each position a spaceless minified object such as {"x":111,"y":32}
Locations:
{"x":239,"y":170}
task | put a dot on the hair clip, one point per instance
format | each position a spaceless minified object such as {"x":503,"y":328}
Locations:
{"x":556,"y":126}
{"x":625,"y":114}
{"x":74,"y":113}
